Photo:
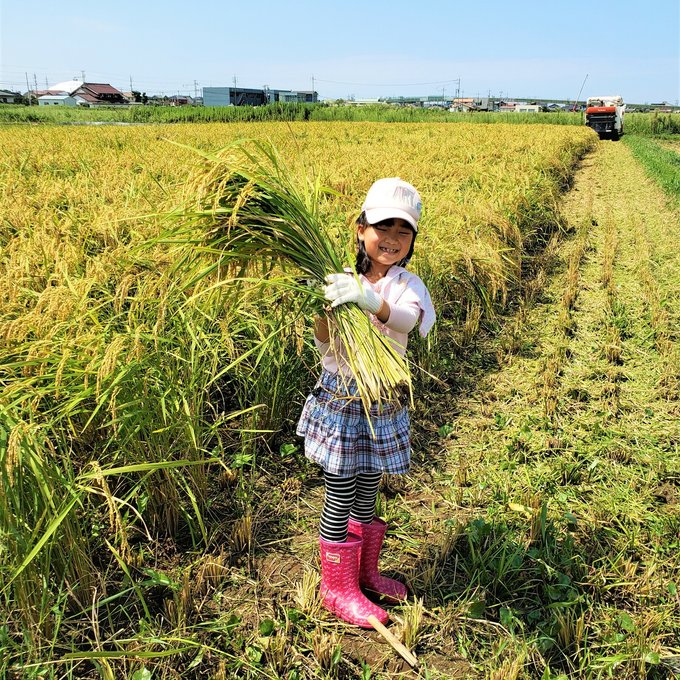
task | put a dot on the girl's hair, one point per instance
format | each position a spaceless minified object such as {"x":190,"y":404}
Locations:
{"x":363,"y":263}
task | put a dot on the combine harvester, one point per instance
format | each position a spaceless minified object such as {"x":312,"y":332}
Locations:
{"x":605,"y":116}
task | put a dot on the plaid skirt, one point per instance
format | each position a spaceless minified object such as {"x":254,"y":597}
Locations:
{"x":338,"y":435}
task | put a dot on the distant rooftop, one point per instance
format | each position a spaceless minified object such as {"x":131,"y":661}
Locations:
{"x":69,"y":86}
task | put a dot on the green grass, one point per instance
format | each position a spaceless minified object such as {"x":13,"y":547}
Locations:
{"x":651,"y":124}
{"x":662,"y":163}
{"x":635,"y":123}
{"x":270,"y":112}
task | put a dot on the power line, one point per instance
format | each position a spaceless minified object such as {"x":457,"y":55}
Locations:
{"x":160,"y":83}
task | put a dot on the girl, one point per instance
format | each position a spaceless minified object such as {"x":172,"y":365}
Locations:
{"x":337,"y":433}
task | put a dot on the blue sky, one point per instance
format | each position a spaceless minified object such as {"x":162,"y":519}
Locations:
{"x":363,"y":49}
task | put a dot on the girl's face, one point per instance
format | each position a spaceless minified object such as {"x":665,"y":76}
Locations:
{"x":386,"y":242}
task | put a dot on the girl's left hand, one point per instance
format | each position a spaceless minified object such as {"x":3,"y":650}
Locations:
{"x":344,"y":287}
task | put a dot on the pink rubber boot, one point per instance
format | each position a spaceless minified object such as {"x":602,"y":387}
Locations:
{"x":370,"y":578}
{"x":340,"y":591}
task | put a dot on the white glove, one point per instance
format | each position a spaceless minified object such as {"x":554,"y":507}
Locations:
{"x":345,"y":287}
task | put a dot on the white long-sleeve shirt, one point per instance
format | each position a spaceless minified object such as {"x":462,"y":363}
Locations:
{"x":409,"y":302}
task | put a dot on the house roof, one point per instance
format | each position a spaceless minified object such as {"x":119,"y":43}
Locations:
{"x":90,"y":98}
{"x":68,"y":86}
{"x":100,"y":88}
{"x":71,"y":86}
{"x":41,"y":93}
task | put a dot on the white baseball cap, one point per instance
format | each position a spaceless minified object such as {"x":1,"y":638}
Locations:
{"x":392,"y":197}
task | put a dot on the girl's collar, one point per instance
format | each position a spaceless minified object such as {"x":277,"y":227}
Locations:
{"x":392,"y":272}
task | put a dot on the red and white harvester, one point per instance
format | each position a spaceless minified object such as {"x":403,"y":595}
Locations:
{"x":605,"y":115}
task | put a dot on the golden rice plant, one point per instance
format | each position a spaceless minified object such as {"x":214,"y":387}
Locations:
{"x":248,"y":207}
{"x":106,"y":359}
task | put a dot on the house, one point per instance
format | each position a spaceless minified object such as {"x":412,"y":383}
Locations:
{"x":463,"y":104}
{"x":180,"y":100}
{"x":91,"y":94}
{"x":295,"y":96}
{"x":662,"y":107}
{"x":280,"y":96}
{"x":527,"y":108}
{"x":36,"y":94}
{"x":100,"y":94}
{"x":470,"y":104}
{"x":7,"y":97}
{"x":58,"y":100}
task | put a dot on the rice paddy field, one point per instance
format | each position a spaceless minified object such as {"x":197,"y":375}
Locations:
{"x":157,"y":516}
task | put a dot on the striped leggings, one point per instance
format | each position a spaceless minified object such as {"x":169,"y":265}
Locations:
{"x":345,"y":497}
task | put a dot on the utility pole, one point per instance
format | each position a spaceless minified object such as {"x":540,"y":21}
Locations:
{"x":578,"y":96}
{"x":28,"y":89}
{"x":82,"y":73}
{"x":35,"y":82}
{"x":131,"y":88}
{"x":195,"y":89}
{"x":312,"y":86}
{"x":456,"y":102}
{"x":234,"y":80}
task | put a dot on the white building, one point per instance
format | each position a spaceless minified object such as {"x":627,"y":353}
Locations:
{"x":57,"y":100}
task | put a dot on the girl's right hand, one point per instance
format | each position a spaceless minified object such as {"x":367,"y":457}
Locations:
{"x":344,"y":287}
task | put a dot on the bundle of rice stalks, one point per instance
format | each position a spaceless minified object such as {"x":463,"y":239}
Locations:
{"x":249,"y":210}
